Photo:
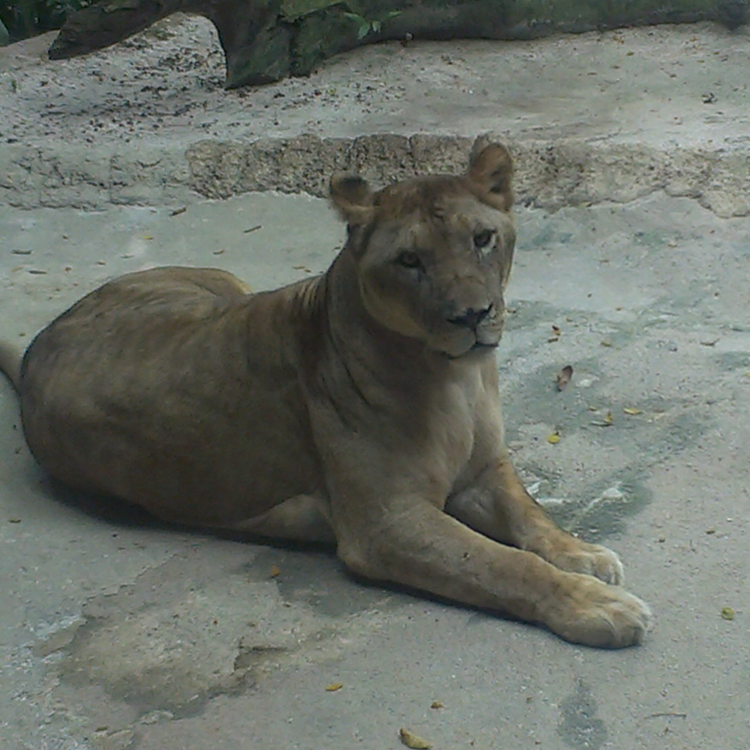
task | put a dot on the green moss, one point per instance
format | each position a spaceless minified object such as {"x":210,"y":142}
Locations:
{"x":320,"y":36}
{"x":267,"y":59}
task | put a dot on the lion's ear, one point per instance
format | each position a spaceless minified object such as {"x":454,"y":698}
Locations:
{"x":352,"y":198}
{"x":491,"y":175}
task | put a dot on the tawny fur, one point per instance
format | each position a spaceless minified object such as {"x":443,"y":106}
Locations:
{"x":360,"y":407}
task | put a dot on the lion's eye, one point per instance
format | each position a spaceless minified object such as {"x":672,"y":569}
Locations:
{"x":409,"y":259}
{"x":482,"y":239}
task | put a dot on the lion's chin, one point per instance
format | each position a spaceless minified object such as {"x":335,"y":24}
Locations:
{"x":477,"y":350}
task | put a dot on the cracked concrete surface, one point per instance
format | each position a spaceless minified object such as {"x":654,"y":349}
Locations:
{"x":120,"y":633}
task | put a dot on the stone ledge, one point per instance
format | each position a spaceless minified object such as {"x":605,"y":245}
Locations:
{"x":549,"y":174}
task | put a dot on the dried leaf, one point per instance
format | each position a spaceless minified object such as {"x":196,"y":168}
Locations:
{"x":564,"y":376}
{"x":608,"y":421}
{"x":437,"y":704}
{"x":334,"y":687}
{"x":554,"y":437}
{"x":275,"y":570}
{"x":556,"y":333}
{"x":632,"y":412}
{"x":412,"y":740}
{"x":727,"y":613}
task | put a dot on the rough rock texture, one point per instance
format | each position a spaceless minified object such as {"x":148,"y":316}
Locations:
{"x":627,"y":113}
{"x":266,"y":40}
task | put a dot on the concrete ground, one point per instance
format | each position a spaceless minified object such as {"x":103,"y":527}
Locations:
{"x":116,"y":632}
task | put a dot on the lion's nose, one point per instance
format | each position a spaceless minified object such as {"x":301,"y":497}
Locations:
{"x":471,"y":317}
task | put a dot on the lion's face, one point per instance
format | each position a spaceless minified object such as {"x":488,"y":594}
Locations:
{"x":434,"y":254}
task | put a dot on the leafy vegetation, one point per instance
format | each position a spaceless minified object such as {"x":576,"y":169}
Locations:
{"x":367,"y":26}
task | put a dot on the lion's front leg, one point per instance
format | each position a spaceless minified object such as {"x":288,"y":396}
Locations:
{"x":499,"y":506}
{"x":412,"y":542}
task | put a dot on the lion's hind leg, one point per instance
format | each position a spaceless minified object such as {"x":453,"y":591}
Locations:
{"x":300,"y":518}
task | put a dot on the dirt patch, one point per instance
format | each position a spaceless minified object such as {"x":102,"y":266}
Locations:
{"x":198,"y":627}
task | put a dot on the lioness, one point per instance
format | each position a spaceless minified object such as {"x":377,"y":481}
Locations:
{"x":360,"y":407}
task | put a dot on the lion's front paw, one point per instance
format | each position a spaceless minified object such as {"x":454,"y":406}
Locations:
{"x":590,"y":559}
{"x":597,"y":615}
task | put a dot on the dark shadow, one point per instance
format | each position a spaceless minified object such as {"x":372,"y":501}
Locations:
{"x":117,"y":512}
{"x":113,"y":510}
{"x":120,"y":513}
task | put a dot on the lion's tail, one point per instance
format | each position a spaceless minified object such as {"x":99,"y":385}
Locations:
{"x":10,"y":362}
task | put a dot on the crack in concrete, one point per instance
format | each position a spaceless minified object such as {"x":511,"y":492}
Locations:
{"x":167,"y":644}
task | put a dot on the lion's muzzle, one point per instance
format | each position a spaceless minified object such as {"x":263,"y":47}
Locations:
{"x":471,"y":317}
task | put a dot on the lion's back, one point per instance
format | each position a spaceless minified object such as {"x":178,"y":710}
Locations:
{"x":146,"y":389}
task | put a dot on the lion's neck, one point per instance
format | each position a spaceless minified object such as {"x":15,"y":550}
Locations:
{"x":390,"y":357}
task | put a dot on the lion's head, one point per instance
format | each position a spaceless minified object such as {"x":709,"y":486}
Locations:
{"x":433,"y":254}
